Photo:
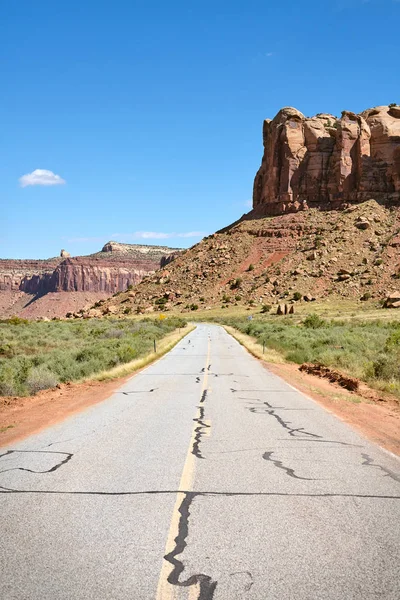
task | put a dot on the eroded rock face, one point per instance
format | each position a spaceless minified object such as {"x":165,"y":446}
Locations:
{"x":328,"y":162}
{"x":110,"y":270}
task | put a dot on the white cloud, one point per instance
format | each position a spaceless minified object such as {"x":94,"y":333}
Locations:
{"x":269,"y":54}
{"x":248,"y":203}
{"x":156,"y":235}
{"x":41,"y":177}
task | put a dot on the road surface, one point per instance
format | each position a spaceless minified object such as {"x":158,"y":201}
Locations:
{"x":204,"y":477}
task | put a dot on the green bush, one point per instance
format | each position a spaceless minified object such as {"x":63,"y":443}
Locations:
{"x":369,"y":350}
{"x":366,"y":296}
{"x":266,"y":308}
{"x":313,"y":321}
{"x":41,"y":354}
{"x":236,"y":283}
{"x":297,"y":296}
{"x":251,"y":267}
{"x":40,"y":378}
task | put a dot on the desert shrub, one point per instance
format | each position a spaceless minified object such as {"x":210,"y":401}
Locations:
{"x":41,"y":354}
{"x":160,"y":301}
{"x":314,"y":321}
{"x":251,"y":267}
{"x":366,"y":296}
{"x":194,"y":307}
{"x":266,"y":308}
{"x":40,"y":378}
{"x":112,"y":333}
{"x":369,"y":350}
{"x":297,"y":296}
{"x":236,"y":283}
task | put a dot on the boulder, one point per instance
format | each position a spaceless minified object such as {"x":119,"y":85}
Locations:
{"x":392,"y":300}
{"x":362,"y":223}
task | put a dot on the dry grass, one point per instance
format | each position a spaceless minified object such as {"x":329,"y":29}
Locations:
{"x":163,"y":346}
{"x":256,"y":349}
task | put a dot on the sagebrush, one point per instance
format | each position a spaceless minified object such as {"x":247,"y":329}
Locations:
{"x":39,"y":355}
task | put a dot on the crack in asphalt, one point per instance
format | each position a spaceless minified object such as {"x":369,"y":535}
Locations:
{"x":209,"y":494}
{"x":199,"y":432}
{"x":201,"y":427}
{"x":324,"y":442}
{"x":286,"y":424}
{"x":138,"y":392}
{"x":288,"y":470}
{"x":206,"y":584}
{"x":68,"y":456}
{"x":369,"y":462}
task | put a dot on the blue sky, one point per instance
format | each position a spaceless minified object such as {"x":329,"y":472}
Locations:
{"x":151,"y":113}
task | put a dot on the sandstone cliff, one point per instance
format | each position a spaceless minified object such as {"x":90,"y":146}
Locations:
{"x":325,"y":162}
{"x":34,"y":288}
{"x":113,"y":269}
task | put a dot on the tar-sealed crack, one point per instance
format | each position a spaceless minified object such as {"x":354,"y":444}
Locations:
{"x":288,"y":470}
{"x":199,"y":432}
{"x":369,"y":462}
{"x":293,"y":431}
{"x":202,"y":494}
{"x":206,"y":584}
{"x":138,"y":392}
{"x":59,"y":464}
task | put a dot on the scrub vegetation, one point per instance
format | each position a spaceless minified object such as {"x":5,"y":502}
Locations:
{"x":368,"y":350}
{"x":38,"y":355}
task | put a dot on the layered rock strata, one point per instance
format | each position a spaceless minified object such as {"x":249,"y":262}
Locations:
{"x":325,"y":162}
{"x":113,"y":269}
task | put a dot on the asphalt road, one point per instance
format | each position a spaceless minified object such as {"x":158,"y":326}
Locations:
{"x":204,"y":477}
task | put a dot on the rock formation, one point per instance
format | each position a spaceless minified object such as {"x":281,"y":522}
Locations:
{"x":113,"y":269}
{"x":325,"y":162}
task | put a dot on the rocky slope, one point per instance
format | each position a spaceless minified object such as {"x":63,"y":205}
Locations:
{"x":354,"y":253}
{"x":325,"y":222}
{"x":113,"y":269}
{"x":326,"y":162}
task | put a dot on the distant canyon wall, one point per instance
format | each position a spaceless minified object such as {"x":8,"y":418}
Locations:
{"x":327,"y":162}
{"x":79,"y":274}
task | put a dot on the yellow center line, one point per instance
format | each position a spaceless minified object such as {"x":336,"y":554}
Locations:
{"x":166,"y":591}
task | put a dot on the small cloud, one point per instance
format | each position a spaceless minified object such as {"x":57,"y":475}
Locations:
{"x":248,"y":203}
{"x":269,"y":54}
{"x":156,"y":235}
{"x":41,"y":177}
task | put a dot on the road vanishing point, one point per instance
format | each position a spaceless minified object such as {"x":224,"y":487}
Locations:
{"x":204,"y":477}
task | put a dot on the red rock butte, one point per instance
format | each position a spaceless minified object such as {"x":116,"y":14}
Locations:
{"x":325,"y":162}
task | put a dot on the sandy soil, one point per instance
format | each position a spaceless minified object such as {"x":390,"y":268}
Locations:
{"x":21,"y":417}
